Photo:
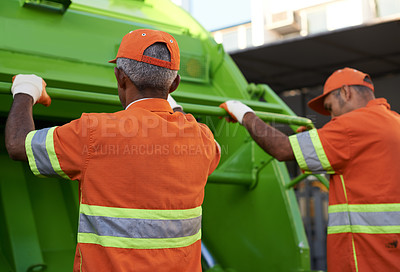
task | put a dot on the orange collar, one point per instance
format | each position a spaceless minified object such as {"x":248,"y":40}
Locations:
{"x":152,"y":104}
{"x":379,"y":101}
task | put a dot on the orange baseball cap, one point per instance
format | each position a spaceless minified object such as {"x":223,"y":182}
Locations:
{"x":340,"y":78}
{"x":135,"y":42}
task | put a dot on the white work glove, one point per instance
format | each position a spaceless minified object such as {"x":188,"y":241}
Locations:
{"x":173,"y":103}
{"x":32,"y":85}
{"x":236,"y":109}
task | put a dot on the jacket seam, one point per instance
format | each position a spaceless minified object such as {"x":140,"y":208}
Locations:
{"x":89,"y":148}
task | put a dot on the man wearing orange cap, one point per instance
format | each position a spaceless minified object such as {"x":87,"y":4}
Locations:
{"x":360,"y":148}
{"x":140,"y":202}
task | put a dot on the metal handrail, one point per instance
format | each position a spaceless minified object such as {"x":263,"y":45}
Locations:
{"x":232,"y":178}
{"x":299,"y":178}
{"x":109,"y":99}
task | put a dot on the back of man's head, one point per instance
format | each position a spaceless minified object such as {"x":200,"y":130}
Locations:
{"x":148,"y":76}
{"x":150,"y":58}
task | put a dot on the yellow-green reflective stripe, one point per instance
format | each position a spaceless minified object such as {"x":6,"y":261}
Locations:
{"x":344,"y":187}
{"x":338,"y":208}
{"x":339,"y":229}
{"x":138,"y":243}
{"x":52,"y":154}
{"x":364,"y":229}
{"x":29,"y":153}
{"x":81,"y":261}
{"x":354,"y":253}
{"x":320,"y":151}
{"x":40,"y":154}
{"x":294,"y":142}
{"x":309,"y":153}
{"x":391,"y":207}
{"x":140,"y":213}
{"x":346,"y":228}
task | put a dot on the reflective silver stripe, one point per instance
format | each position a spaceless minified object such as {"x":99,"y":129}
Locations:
{"x":139,"y":228}
{"x":309,"y":153}
{"x":364,"y":219}
{"x":40,"y":153}
{"x":338,"y":219}
{"x":375,"y":218}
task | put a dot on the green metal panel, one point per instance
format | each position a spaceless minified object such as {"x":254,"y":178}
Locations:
{"x":251,"y":221}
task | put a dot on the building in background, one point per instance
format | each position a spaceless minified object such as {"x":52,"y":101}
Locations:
{"x":273,"y":20}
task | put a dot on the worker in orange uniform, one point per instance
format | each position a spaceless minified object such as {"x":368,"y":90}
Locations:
{"x":360,"y":148}
{"x":141,"y":171}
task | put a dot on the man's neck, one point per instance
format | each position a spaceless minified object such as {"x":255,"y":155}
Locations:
{"x":145,"y":94}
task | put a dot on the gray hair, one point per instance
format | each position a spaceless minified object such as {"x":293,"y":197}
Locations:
{"x":145,"y":75}
{"x":361,"y":89}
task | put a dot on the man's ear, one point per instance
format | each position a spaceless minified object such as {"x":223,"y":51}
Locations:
{"x":175,"y":84}
{"x":347,"y":92}
{"x":120,"y":76}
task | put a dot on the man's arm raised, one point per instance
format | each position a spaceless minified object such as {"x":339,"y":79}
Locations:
{"x":27,"y":90}
{"x":267,"y":137}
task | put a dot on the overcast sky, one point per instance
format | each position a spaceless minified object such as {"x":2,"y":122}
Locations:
{"x":216,"y":14}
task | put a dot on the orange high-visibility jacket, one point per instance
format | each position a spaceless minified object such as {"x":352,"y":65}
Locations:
{"x":361,"y":151}
{"x":141,"y":173}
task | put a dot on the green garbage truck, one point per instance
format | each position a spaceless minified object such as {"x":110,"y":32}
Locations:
{"x":251,"y":218}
